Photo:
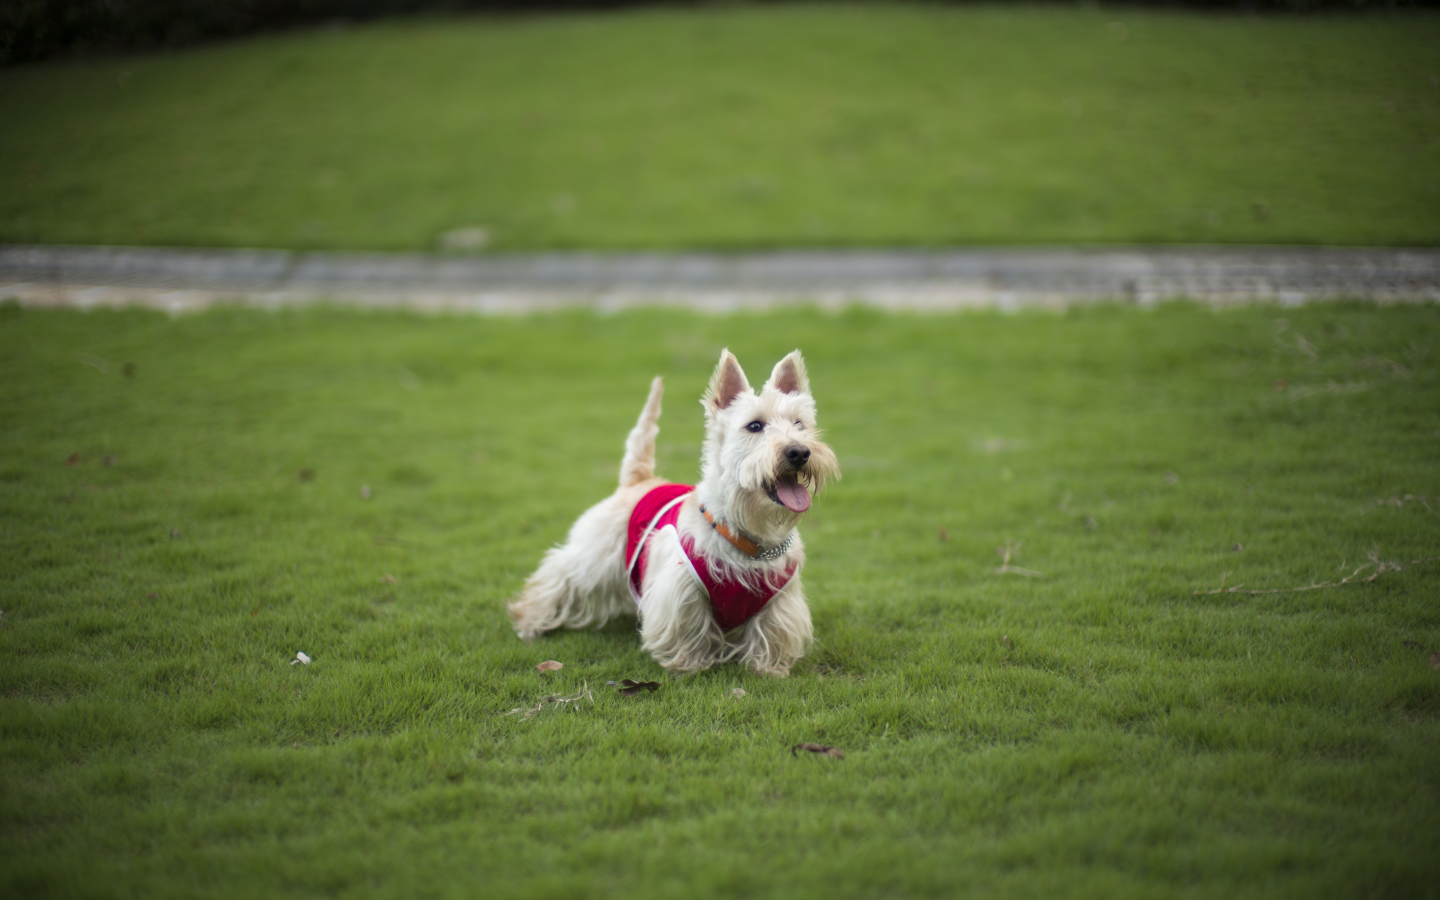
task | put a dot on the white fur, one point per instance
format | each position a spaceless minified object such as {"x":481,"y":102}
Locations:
{"x":581,"y":584}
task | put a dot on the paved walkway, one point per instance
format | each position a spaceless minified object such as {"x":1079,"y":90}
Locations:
{"x":1003,"y":277}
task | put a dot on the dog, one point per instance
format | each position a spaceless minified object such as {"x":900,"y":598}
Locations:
{"x":713,"y":570}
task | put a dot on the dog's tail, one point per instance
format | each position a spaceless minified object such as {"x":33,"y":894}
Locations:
{"x":639,"y":462}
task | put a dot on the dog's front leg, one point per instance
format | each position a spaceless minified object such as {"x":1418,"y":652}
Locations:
{"x":677,"y":626}
{"x":780,"y":634}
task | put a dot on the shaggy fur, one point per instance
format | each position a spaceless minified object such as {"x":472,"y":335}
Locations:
{"x":746,"y":478}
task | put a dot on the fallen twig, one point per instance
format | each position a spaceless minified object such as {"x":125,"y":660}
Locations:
{"x":1380,"y":566}
{"x":526,"y":712}
{"x":1007,"y":569}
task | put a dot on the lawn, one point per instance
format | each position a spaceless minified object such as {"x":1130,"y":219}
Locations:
{"x":743,"y":126}
{"x":182,"y":509}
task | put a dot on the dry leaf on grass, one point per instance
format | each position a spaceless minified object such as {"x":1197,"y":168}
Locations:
{"x":73,"y":459}
{"x":300,"y":659}
{"x":630,"y":687}
{"x":835,"y":752}
{"x":549,"y":665}
{"x":388,"y":578}
{"x":738,"y":692}
{"x":1435,"y":661}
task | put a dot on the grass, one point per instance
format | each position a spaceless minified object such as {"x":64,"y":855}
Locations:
{"x":1098,"y":731}
{"x":744,"y":126}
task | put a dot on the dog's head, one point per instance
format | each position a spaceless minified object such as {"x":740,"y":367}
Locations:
{"x":763,"y":450}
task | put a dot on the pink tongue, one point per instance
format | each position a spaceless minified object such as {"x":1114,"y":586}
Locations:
{"x":793,"y":495}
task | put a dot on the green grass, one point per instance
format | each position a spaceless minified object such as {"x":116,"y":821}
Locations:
{"x":1100,"y":731}
{"x":744,"y":126}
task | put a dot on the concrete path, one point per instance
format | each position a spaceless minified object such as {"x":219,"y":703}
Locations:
{"x":936,"y":280}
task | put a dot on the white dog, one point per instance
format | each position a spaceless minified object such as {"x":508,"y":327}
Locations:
{"x":713,"y":571}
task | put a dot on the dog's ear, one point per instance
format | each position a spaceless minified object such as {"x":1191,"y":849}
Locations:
{"x":726,"y":384}
{"x":789,"y":376}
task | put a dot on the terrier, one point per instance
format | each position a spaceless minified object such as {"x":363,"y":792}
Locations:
{"x":712,"y":571}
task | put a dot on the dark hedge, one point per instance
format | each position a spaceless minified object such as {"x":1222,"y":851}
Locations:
{"x":35,"y":29}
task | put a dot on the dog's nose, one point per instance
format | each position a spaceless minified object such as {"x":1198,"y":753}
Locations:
{"x":797,"y":455}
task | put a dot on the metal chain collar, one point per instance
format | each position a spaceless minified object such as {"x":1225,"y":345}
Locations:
{"x":778,"y":550}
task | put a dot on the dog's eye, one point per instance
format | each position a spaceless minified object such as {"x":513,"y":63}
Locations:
{"x":799,"y":424}
{"x":755,"y":427}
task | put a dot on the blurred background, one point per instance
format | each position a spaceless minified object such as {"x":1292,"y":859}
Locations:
{"x":35,"y":29}
{"x":464,"y":127}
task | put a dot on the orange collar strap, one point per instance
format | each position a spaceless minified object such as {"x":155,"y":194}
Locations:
{"x":742,"y":543}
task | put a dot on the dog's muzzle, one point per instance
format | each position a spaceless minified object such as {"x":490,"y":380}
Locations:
{"x":797,"y":455}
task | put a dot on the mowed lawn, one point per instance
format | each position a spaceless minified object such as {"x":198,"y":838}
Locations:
{"x":183,"y":508}
{"x":743,"y":126}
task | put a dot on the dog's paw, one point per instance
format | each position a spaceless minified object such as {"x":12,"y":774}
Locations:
{"x":525,"y":630}
{"x":528,"y":632}
{"x":679,"y":668}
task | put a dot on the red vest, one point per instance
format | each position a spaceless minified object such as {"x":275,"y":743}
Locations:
{"x":732,"y":603}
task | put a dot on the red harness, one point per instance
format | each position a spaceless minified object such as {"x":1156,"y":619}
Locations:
{"x":732,"y":603}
